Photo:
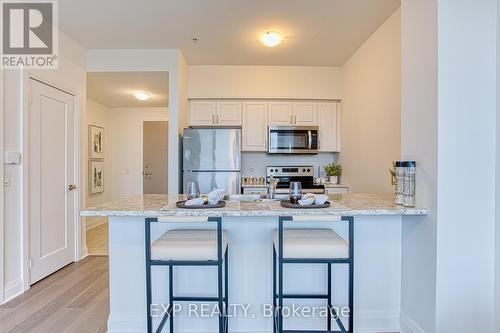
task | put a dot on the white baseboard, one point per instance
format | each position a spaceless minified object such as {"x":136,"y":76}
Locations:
{"x":408,"y":325}
{"x":13,"y":289}
{"x":84,"y":252}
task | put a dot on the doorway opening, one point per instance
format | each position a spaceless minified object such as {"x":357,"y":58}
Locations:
{"x":155,"y":157}
{"x":130,"y":111}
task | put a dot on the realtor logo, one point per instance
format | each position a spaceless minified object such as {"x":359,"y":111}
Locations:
{"x":29,"y":34}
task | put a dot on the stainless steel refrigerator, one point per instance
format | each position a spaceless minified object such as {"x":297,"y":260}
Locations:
{"x":212,"y":157}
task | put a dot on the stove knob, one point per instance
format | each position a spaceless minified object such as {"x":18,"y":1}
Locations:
{"x":308,"y":170}
{"x":303,"y":170}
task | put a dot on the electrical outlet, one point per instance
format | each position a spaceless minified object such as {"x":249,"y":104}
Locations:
{"x":250,"y":169}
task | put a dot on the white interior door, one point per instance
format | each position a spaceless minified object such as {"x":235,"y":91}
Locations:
{"x":51,"y":179}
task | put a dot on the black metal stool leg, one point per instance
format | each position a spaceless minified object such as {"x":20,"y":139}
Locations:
{"x":329,"y":301}
{"x":226,"y":288}
{"x":351,"y":274}
{"x":274,"y":290}
{"x":148,"y":276}
{"x":171,"y":297}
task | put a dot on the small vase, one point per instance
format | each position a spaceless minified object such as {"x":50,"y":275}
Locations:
{"x":334,"y":179}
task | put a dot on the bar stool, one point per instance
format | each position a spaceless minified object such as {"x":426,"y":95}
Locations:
{"x":312,"y":246}
{"x":187,"y":247}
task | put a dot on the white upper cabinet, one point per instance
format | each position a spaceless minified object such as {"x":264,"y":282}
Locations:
{"x":228,"y":113}
{"x":305,"y":114}
{"x":254,"y":129}
{"x":254,"y":117}
{"x":214,"y":113}
{"x":202,"y":112}
{"x":293,"y":114}
{"x":328,"y":119}
{"x":280,"y":113}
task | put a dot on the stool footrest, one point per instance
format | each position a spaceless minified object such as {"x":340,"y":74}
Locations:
{"x":304,"y":296}
{"x":195,"y":299}
{"x":184,"y":262}
{"x":316,"y":261}
{"x":313,"y":331}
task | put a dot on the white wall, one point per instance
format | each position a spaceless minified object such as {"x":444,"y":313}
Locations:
{"x":466,"y":127}
{"x":264,"y":82}
{"x":171,"y":61}
{"x":100,"y":115}
{"x":370,"y":113}
{"x":126,"y":154}
{"x":497,"y":183}
{"x":449,"y":127}
{"x":419,"y":142}
{"x":70,"y":76}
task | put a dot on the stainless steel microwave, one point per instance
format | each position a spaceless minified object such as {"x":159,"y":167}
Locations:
{"x":292,"y":140}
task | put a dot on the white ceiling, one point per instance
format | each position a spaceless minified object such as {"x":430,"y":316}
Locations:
{"x":115,"y":89}
{"x":318,"y":32}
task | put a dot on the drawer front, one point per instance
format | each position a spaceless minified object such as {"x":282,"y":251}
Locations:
{"x":255,"y":190}
{"x":336,"y":190}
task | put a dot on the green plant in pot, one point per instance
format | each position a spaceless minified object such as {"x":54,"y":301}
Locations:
{"x":333,"y":171}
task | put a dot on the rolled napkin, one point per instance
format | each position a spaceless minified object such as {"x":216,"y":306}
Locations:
{"x":320,"y":199}
{"x":310,"y":199}
{"x":307,"y":199}
{"x":195,"y":202}
{"x":216,"y":195}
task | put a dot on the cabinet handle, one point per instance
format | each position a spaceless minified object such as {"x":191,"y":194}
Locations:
{"x":213,"y":119}
{"x":291,"y":120}
{"x":295,"y":120}
{"x":217,"y":119}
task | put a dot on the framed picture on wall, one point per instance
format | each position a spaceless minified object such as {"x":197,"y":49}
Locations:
{"x":96,"y":177}
{"x":96,"y":142}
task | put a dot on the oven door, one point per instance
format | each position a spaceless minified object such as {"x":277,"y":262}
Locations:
{"x":292,"y":140}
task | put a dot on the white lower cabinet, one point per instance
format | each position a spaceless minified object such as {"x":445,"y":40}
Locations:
{"x":254,"y":128}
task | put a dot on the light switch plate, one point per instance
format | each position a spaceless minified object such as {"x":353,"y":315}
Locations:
{"x":12,"y":157}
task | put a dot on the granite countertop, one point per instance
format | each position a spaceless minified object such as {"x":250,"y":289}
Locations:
{"x":152,"y":205}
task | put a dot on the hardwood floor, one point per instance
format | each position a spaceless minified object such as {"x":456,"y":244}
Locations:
{"x":74,"y":299}
{"x":97,"y":240}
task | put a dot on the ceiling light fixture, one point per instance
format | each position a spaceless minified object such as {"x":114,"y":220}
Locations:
{"x":271,"y":38}
{"x":142,"y":95}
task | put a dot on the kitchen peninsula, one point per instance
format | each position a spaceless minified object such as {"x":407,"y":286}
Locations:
{"x":250,"y":223}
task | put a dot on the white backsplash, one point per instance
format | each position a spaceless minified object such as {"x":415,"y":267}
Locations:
{"x":254,"y":164}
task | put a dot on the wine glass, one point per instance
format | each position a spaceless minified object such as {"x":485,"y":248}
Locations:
{"x":193,"y":190}
{"x":295,"y":192}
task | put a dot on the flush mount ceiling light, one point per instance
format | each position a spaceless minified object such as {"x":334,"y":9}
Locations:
{"x":271,"y":38}
{"x":142,"y":95}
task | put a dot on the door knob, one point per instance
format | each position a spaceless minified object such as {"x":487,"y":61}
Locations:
{"x":71,"y":187}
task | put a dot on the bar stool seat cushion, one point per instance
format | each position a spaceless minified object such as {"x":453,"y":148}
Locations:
{"x":312,"y":243}
{"x":188,"y":244}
